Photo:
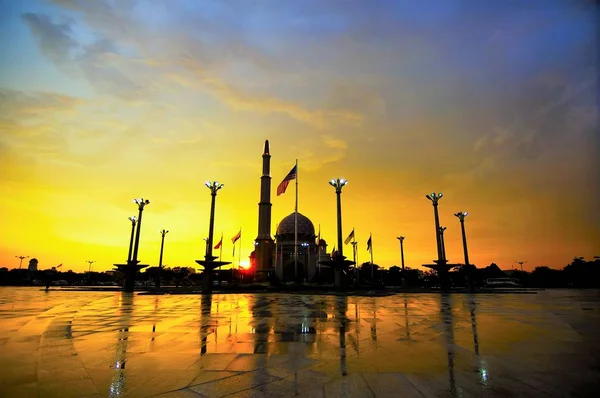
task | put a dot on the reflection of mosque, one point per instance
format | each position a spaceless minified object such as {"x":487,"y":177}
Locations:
{"x":309,"y":253}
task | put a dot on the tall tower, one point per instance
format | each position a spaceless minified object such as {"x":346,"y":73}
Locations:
{"x":264,"y":243}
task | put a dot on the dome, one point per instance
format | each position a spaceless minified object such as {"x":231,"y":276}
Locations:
{"x":305,"y":226}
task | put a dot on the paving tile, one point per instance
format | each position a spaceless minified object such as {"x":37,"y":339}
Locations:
{"x":233,"y":384}
{"x":390,"y":385}
{"x":352,"y":386}
{"x":271,"y":345}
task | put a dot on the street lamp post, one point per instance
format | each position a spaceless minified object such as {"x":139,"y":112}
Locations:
{"x":434,"y":198}
{"x":520,"y":263}
{"x":90,"y":262}
{"x":133,"y":223}
{"x":461,"y":217}
{"x":163,"y":233}
{"x":441,"y":260}
{"x":401,"y":239}
{"x":338,"y":184}
{"x":339,"y":263}
{"x":141,"y":203}
{"x":21,"y":258}
{"x":214,"y":187}
{"x":208,"y":263}
{"x":133,"y":266}
{"x":442,"y":230}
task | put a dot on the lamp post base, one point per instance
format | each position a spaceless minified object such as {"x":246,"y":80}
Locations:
{"x":340,"y":266}
{"x":209,"y":266}
{"x":129,"y":271}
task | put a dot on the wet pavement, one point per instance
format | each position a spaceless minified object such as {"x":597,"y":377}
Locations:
{"x":107,"y":344}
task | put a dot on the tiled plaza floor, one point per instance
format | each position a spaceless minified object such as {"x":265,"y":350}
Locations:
{"x":104,"y":344}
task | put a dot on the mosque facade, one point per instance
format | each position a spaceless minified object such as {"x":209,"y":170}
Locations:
{"x":279,"y":256}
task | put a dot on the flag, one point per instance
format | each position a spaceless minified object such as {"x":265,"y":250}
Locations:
{"x":219,"y":244}
{"x":236,"y":237}
{"x":369,"y":243}
{"x":58,"y":266}
{"x":349,"y":238}
{"x":284,"y":184}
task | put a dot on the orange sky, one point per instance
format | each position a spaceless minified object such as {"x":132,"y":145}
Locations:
{"x":492,"y":106}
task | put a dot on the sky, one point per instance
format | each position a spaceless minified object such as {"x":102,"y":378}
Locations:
{"x":493,"y":103}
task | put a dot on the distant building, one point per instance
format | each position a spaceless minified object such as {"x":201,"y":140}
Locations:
{"x":33,"y":264}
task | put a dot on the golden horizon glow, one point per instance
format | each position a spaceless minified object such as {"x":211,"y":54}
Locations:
{"x":245,"y":264}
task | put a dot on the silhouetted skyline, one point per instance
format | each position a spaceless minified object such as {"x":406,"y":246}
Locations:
{"x":492,"y":103}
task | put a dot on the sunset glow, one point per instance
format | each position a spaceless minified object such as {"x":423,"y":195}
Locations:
{"x":492,"y":103}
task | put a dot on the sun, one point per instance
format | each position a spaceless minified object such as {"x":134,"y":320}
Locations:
{"x":245,"y":264}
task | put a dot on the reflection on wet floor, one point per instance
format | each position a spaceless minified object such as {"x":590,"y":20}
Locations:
{"x":114,"y":344}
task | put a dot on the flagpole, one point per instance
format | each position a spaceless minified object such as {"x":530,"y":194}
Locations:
{"x":240,"y":251}
{"x":296,"y":228}
{"x":372,"y":265}
{"x":233,"y":264}
{"x":220,"y":255}
{"x":355,"y":256}
{"x":221,"y":248}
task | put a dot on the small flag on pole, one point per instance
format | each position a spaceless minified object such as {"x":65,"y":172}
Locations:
{"x":349,"y":238}
{"x":369,"y":243}
{"x":219,"y":244}
{"x":284,"y":184}
{"x":236,"y":237}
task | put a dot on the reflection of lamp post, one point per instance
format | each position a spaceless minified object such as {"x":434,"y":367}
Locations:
{"x":133,"y":223}
{"x":208,"y":263}
{"x":21,"y":258}
{"x":434,"y":198}
{"x":448,"y":332}
{"x":341,"y":307}
{"x":160,"y":266}
{"x":401,"y":239}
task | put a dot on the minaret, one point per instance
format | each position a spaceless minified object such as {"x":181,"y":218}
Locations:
{"x":264,"y":243}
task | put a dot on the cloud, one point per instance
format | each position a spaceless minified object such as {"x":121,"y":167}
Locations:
{"x":211,"y":52}
{"x":54,"y":38}
{"x":265,"y":104}
{"x":16,"y":104}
